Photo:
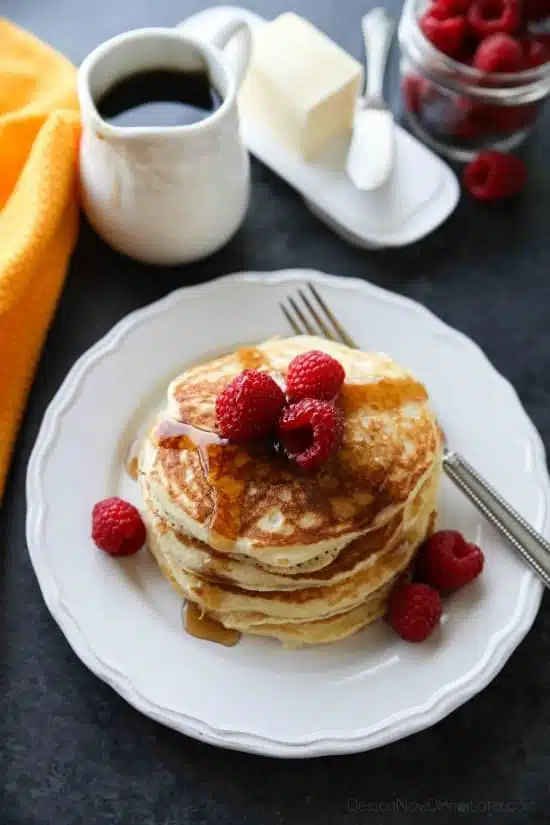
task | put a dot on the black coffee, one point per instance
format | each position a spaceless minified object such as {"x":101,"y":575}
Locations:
{"x":160,"y":97}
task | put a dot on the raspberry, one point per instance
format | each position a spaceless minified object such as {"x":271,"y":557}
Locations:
{"x":499,"y":53}
{"x":309,"y":431}
{"x":249,"y":406}
{"x":447,"y":561}
{"x":117,"y":527}
{"x":446,"y":33}
{"x":416,"y":92}
{"x":414,"y":610}
{"x":314,"y":374}
{"x":453,"y":8}
{"x":535,"y":53}
{"x":492,"y":176}
{"x":544,"y":38}
{"x":412,"y":91}
{"x":471,"y":127}
{"x":472,"y":121}
{"x":487,"y":17}
{"x":509,"y":119}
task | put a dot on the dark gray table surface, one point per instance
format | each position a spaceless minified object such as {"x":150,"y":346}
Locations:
{"x":72,"y":751}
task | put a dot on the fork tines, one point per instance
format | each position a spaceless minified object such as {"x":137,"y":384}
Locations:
{"x":307,"y":319}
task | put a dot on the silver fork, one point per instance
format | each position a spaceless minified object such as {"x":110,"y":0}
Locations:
{"x":308,"y":314}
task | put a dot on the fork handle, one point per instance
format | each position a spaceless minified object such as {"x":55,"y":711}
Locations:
{"x":526,"y":541}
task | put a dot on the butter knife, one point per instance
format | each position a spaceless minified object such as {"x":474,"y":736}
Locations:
{"x":370,"y":156}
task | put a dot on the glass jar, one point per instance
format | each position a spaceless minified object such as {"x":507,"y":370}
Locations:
{"x":457,"y":109}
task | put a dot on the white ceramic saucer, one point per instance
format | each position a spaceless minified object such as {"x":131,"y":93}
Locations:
{"x":421,"y":193}
{"x":124,"y":620}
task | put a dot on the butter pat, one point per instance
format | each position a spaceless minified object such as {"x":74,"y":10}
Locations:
{"x":307,"y":83}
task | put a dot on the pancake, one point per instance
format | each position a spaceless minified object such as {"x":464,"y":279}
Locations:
{"x":235,"y":606}
{"x":254,"y":503}
{"x":264,"y":548}
{"x":179,"y":551}
{"x":328,"y":630}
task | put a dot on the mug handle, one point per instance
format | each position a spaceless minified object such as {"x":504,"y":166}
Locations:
{"x":240,"y":59}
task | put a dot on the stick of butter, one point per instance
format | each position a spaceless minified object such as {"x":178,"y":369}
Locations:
{"x":303,"y":83}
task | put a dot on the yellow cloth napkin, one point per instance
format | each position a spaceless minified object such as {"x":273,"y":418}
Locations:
{"x":39,"y":131}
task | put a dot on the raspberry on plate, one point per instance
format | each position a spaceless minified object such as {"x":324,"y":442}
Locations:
{"x":314,"y":374}
{"x":447,"y":34}
{"x":249,"y":406}
{"x":414,"y":610}
{"x":492,"y":176}
{"x":499,"y":53}
{"x":487,"y":17}
{"x":117,"y":527}
{"x":447,"y":561}
{"x":309,"y":431}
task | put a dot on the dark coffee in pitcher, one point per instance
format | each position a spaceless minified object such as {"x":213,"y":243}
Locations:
{"x":160,"y":98}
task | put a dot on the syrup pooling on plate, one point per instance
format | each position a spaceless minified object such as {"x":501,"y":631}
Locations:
{"x":201,"y":626}
{"x":226,"y":467}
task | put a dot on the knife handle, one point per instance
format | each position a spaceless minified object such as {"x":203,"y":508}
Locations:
{"x":378,"y":29}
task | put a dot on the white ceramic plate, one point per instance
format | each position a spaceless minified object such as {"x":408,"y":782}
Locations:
{"x":420,"y":195}
{"x":124,"y":620}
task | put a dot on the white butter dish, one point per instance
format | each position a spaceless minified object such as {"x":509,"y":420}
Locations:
{"x":420,"y":194}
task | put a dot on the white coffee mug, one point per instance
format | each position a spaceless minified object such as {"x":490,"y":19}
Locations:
{"x":165,"y":195}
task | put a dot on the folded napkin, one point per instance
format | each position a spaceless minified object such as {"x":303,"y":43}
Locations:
{"x":39,"y":131}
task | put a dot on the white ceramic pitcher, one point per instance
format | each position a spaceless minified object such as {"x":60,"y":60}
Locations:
{"x":165,"y":195}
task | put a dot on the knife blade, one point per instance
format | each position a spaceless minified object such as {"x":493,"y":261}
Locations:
{"x":370,"y":156}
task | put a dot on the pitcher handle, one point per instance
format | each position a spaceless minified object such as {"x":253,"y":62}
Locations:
{"x":240,"y":58}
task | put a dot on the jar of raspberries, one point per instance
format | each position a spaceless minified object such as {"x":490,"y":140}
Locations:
{"x":474,"y":73}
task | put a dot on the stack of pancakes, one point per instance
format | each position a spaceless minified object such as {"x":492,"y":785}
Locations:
{"x":266,"y":548}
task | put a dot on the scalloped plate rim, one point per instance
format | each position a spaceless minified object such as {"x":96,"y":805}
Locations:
{"x":396,"y":727}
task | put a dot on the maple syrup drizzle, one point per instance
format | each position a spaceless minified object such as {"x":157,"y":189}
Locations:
{"x":229,"y":469}
{"x":132,"y":459}
{"x":226,"y":468}
{"x":251,"y":358}
{"x":132,"y":467}
{"x":202,"y":626}
{"x":183,"y":436}
{"x":382,"y":396}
